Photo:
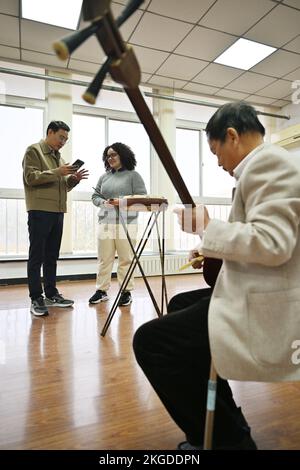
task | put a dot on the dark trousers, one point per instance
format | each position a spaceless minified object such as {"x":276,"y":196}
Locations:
{"x":174,"y":353}
{"x":45,"y":233}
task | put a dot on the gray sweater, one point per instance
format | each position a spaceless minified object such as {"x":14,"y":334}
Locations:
{"x":115,"y":184}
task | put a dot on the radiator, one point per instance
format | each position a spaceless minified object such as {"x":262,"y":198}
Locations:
{"x":152,"y":267}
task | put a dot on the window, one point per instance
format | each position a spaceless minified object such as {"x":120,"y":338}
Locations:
{"x":204,"y":179}
{"x":84,"y":225}
{"x":187,"y":158}
{"x":216,"y":182}
{"x":134,"y":135}
{"x":88,"y":143}
{"x":13,"y":233}
{"x":20,"y":127}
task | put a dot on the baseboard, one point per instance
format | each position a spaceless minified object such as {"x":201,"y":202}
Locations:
{"x":85,"y":269}
{"x":74,"y":277}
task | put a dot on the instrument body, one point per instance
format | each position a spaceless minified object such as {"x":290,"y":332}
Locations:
{"x":211,"y":269}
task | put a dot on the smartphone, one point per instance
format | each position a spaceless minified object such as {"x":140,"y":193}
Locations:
{"x":78,"y":163}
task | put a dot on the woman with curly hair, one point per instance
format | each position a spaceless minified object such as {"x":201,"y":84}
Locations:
{"x":120,"y":179}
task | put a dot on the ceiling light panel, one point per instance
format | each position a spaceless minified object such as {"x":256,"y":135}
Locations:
{"x":64,"y":14}
{"x":244,"y":54}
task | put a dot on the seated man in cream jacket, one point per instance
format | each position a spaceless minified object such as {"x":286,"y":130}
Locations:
{"x":253,"y":321}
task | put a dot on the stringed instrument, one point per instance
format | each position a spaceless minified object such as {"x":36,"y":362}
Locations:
{"x":122,"y":65}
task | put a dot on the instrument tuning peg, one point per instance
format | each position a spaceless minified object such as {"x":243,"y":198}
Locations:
{"x":90,"y":95}
{"x":93,"y":10}
{"x":130,"y":8}
{"x":67,"y":45}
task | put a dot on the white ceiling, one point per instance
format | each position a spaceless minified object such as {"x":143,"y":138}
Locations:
{"x":176,"y":42}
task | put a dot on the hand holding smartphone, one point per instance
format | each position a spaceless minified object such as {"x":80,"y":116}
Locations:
{"x":78,"y":163}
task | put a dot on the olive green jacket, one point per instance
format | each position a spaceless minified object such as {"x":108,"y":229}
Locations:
{"x":45,"y":189}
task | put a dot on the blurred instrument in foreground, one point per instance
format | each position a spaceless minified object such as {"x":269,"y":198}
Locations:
{"x":123,"y":67}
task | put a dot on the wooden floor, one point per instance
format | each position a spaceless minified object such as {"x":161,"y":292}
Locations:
{"x":63,"y":386}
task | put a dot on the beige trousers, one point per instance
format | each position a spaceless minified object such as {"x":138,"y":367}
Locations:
{"x":111,"y":239}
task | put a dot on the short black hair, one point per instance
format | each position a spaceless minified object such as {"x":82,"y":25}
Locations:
{"x":125,"y":153}
{"x":239,"y":115}
{"x":56,"y":125}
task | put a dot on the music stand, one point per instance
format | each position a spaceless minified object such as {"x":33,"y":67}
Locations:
{"x":154,"y":206}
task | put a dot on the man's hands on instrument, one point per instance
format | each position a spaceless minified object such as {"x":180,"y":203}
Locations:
{"x":192,"y":220}
{"x":195,"y":260}
{"x":193,"y":254}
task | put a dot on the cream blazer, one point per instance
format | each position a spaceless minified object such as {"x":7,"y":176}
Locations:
{"x":254,"y":314}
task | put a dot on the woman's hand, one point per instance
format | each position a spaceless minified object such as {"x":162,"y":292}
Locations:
{"x":111,"y":203}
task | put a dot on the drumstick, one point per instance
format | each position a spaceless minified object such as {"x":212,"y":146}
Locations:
{"x":98,"y":193}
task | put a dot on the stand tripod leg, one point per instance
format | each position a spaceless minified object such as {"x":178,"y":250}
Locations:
{"x":161,"y":248}
{"x":137,"y":258}
{"x":124,"y":283}
{"x":115,"y":304}
{"x":135,"y":261}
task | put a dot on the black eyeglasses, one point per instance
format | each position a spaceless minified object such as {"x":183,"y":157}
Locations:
{"x":112,"y":154}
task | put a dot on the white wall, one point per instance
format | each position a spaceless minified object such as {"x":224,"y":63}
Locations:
{"x":292,"y":110}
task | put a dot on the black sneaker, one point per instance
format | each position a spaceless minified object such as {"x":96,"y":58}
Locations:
{"x":58,"y":301}
{"x":38,"y":307}
{"x":125,"y":299}
{"x":247,"y":443}
{"x":99,"y":296}
{"x":244,"y":443}
{"x":185,"y":445}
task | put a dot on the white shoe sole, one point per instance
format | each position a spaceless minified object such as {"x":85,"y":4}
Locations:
{"x":59,"y":305}
{"x":104,"y":299}
{"x":50,"y":304}
{"x":36,"y":314}
{"x":125,"y":305}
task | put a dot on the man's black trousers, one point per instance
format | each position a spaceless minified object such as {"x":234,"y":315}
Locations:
{"x":45,"y":233}
{"x":174,"y":353}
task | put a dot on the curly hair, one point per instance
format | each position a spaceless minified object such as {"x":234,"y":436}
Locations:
{"x":127,"y":157}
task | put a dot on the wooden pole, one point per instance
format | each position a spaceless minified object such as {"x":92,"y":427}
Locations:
{"x":210,"y":407}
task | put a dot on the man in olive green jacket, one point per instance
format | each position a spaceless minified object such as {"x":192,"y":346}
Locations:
{"x":47,"y":178}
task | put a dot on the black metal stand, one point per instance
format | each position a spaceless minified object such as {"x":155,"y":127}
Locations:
{"x":136,"y":261}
